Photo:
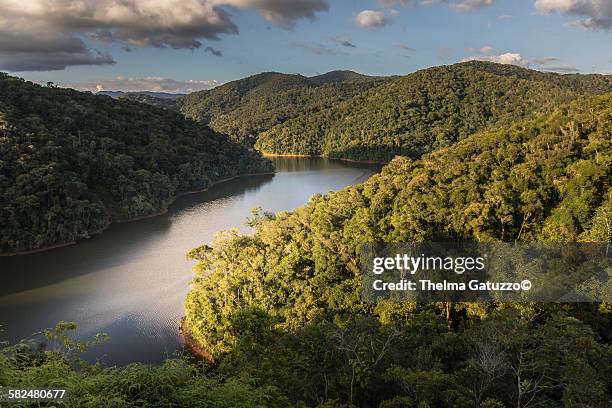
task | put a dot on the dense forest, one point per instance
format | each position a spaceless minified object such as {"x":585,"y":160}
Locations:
{"x":343,"y":114}
{"x":166,"y":103}
{"x":246,"y":107}
{"x":426,"y":110}
{"x":72,"y":162}
{"x":486,"y":153}
{"x":279,"y":317}
{"x":284,"y":305}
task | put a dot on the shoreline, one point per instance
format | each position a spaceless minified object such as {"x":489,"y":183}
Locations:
{"x":192,"y":346}
{"x":324,"y":157}
{"x":139,"y":218}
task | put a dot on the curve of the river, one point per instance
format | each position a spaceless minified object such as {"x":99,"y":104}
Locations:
{"x":131,"y":281}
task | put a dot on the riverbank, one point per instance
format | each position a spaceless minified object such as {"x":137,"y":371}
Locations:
{"x":139,"y":218}
{"x":324,"y":157}
{"x":192,"y":346}
{"x":132,"y":280}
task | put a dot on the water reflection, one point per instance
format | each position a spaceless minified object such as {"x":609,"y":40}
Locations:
{"x":116,"y":246}
{"x":132,"y":280}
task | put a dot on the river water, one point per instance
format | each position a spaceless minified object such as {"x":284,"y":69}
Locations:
{"x":131,"y":281}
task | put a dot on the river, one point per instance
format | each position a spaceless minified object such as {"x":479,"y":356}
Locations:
{"x":131,"y":281}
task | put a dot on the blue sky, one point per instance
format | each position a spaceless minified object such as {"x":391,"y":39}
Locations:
{"x":393,"y":37}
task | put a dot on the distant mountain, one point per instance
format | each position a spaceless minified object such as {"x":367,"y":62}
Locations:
{"x":339,"y":76}
{"x":431,"y":108}
{"x":246,"y":107}
{"x":112,"y":94}
{"x":72,"y":162}
{"x":159,"y":95}
{"x":148,"y":98}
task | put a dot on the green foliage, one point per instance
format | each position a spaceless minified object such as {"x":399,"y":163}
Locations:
{"x":426,"y":110}
{"x":245,"y":108}
{"x":175,"y":383}
{"x":166,"y":103}
{"x":72,"y":162}
{"x":281,"y":311}
{"x":541,"y":179}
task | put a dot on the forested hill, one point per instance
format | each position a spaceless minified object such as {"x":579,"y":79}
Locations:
{"x":152,"y":99}
{"x":339,"y":76}
{"x":426,"y":110}
{"x":246,"y":107}
{"x":290,"y":311}
{"x":71,"y":162}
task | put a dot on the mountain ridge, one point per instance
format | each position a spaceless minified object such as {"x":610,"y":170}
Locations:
{"x":429,"y":108}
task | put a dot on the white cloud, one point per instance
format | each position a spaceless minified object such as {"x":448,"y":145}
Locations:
{"x":551,"y":64}
{"x":371,"y":19}
{"x":154,"y":84}
{"x":48,"y":34}
{"x":469,"y":5}
{"x":596,"y":14}
{"x":506,"y":58}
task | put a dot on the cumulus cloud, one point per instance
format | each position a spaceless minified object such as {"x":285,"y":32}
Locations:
{"x":49,"y":34}
{"x":279,"y":12}
{"x":596,"y":14}
{"x":41,"y":61}
{"x":153,"y":84}
{"x":371,"y":19}
{"x":39,"y":52}
{"x":506,"y":58}
{"x":551,"y":64}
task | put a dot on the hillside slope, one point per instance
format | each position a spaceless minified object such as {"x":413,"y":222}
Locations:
{"x":249,"y":106}
{"x":417,"y":113}
{"x":72,"y":162}
{"x":285,"y":304}
{"x":338,"y":76}
{"x":545,"y":178}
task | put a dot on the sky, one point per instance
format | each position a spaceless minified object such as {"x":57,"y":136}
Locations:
{"x":187,"y":45}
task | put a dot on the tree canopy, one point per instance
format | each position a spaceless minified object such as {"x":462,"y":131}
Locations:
{"x":284,"y":304}
{"x":247,"y":107}
{"x":72,"y":162}
{"x":426,"y":110}
{"x":485,"y":152}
